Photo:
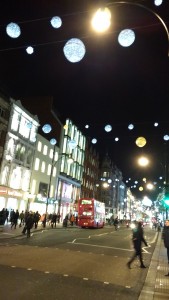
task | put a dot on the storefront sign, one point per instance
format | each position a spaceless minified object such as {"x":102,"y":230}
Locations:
{"x":10,"y":192}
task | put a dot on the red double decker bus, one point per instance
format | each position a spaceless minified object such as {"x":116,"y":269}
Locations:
{"x":91,"y":213}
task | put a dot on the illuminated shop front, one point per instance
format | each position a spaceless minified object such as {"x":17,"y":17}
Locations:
{"x":68,"y":192}
{"x":12,"y":199}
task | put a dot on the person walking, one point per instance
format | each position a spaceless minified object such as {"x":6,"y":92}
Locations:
{"x":165,"y":237}
{"x":15,"y":218}
{"x":53,"y":220}
{"x":36,"y":217}
{"x":21,"y":216}
{"x":137,"y":239}
{"x":29,"y":222}
{"x":116,"y":222}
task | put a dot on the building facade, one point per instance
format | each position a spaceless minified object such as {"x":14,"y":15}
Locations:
{"x":90,"y":181}
{"x":17,"y":157}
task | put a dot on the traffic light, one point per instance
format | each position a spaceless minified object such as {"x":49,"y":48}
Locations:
{"x":165,"y":200}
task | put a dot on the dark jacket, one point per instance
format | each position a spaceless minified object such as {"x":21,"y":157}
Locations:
{"x":138,"y":237}
{"x":29,"y":221}
{"x":165,"y":236}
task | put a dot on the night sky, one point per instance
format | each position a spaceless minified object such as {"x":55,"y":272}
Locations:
{"x":111,"y":85}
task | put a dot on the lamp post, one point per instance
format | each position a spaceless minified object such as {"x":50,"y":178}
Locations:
{"x":60,"y":185}
{"x":50,"y":180}
{"x":47,"y":129}
{"x":166,"y":169}
{"x":102,"y":17}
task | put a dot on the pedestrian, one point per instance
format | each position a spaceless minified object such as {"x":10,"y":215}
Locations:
{"x":72,"y":220}
{"x":137,"y":239}
{"x":29,"y":224}
{"x":2,"y":216}
{"x":65,"y":221}
{"x":21,"y":216}
{"x":36,"y":217}
{"x":14,"y":220}
{"x":29,"y":221}
{"x":116,"y":222}
{"x":7,"y":214}
{"x":53,"y":220}
{"x":165,"y":237}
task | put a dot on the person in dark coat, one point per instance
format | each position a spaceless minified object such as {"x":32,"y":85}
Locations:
{"x":36,"y":217}
{"x":2,"y":216}
{"x":14,"y":220}
{"x":29,"y":223}
{"x":53,"y":220}
{"x":137,"y":240}
{"x":165,"y":237}
{"x":116,"y":222}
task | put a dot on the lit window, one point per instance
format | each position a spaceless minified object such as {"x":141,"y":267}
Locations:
{"x":54,"y":171}
{"x":22,"y":153}
{"x":5,"y":175}
{"x":43,"y":167}
{"x":39,"y":146}
{"x":15,"y":121}
{"x":24,"y":129}
{"x":16,"y":178}
{"x":49,"y":169}
{"x":33,"y":186}
{"x":51,"y":153}
{"x":45,"y":150}
{"x":37,"y":162}
{"x":25,"y":180}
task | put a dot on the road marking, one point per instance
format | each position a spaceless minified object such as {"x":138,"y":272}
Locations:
{"x":99,"y":246}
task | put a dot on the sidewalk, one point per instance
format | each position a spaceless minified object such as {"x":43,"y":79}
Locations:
{"x":7,"y":232}
{"x":156,"y":286}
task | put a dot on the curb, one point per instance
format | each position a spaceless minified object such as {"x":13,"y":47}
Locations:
{"x":148,"y":289}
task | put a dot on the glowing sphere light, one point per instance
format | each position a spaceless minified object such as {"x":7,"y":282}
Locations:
{"x":53,"y":141}
{"x":131,"y":126}
{"x":126,"y":37}
{"x":29,"y":50}
{"x":108,"y":128}
{"x":94,"y":141}
{"x":13,"y":30}
{"x":56,"y":22}
{"x":46,"y":128}
{"x":158,"y":2}
{"x":141,"y":141}
{"x":166,"y":137}
{"x":74,"y":50}
{"x":86,"y":126}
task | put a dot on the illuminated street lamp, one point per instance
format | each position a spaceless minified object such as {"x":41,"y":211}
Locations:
{"x":143,"y":161}
{"x":102,"y":19}
{"x":150,"y":186}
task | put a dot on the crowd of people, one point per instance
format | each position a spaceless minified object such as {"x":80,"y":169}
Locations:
{"x":28,"y":219}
